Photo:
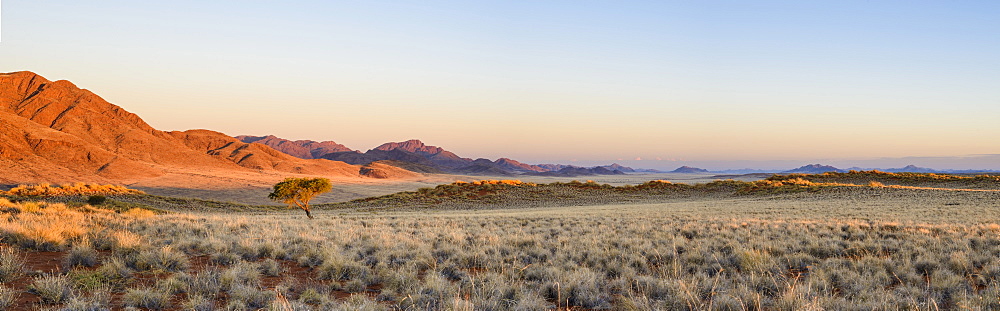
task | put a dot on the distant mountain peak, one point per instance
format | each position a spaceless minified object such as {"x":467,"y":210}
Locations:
{"x":514,"y":165}
{"x":814,"y":169}
{"x":412,"y":145}
{"x":912,"y":169}
{"x":689,"y":170}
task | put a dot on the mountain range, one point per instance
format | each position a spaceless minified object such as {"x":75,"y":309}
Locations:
{"x":417,"y":156}
{"x":53,"y":131}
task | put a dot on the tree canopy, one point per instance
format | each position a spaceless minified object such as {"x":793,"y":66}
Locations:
{"x":299,"y":191}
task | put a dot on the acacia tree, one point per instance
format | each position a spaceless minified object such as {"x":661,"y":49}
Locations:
{"x":299,"y":191}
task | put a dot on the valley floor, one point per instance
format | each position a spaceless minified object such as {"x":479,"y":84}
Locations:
{"x":836,"y":249}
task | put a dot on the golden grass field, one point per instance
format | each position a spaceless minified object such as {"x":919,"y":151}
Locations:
{"x":797,"y":246}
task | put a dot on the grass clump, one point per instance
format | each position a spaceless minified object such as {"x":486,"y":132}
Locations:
{"x":162,"y":259}
{"x":11,"y":264}
{"x":81,"y":255}
{"x":148,"y":298}
{"x":8,"y":296}
{"x":198,"y":303}
{"x":52,"y":289}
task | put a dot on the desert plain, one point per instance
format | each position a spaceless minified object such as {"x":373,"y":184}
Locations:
{"x":790,"y":242}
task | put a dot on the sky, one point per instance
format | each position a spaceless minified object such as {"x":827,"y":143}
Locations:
{"x":657,"y":84}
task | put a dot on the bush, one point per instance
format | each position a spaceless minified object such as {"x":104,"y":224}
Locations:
{"x":96,"y":200}
{"x":90,"y":280}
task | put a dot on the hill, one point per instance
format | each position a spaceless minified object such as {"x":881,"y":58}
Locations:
{"x":516,"y":166}
{"x":911,"y":169}
{"x":303,"y":149}
{"x":57,"y":132}
{"x":689,"y":170}
{"x":620,"y":168}
{"x":814,"y":169}
{"x":574,"y":171}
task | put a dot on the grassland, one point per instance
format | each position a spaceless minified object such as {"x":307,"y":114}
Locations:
{"x":789,"y":243}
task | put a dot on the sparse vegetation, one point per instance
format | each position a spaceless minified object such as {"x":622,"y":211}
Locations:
{"x":981,"y":181}
{"x":299,"y":191}
{"x":518,"y":194}
{"x":54,"y":226}
{"x":780,"y":244}
{"x":48,"y":190}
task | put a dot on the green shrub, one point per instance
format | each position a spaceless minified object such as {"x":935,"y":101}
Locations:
{"x":96,"y":200}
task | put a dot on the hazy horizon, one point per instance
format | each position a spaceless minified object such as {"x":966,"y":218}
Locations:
{"x":720,"y":84}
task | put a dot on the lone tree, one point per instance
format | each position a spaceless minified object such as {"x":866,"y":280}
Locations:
{"x":299,"y":191}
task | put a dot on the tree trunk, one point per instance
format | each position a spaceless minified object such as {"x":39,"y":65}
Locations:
{"x":304,"y":207}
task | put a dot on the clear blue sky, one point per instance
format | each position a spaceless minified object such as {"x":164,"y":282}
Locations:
{"x":713,"y":82}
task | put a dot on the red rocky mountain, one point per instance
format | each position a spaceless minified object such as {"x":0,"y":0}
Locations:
{"x":53,"y":131}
